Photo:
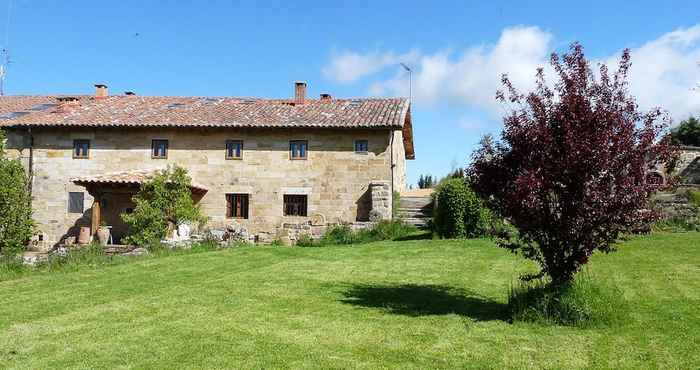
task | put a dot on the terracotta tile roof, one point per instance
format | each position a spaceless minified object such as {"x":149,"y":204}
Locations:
{"x":154,"y":111}
{"x":136,"y":177}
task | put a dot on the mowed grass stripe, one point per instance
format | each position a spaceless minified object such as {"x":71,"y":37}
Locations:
{"x":411,"y":304}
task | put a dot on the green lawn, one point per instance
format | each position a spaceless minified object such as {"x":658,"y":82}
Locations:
{"x":411,"y":304}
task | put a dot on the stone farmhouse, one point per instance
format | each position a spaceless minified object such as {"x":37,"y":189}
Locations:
{"x":262,"y":164}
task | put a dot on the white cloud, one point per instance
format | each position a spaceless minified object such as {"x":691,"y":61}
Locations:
{"x":348,"y":66}
{"x":472,"y":76}
{"x":469,"y":124}
{"x":663,"y":70}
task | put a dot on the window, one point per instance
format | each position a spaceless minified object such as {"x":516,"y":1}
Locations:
{"x":361,"y":146}
{"x":237,"y":206}
{"x":159,"y":149}
{"x":76,"y":202}
{"x":297,"y":149}
{"x":81,"y":148}
{"x":295,"y":205}
{"x":234,"y":149}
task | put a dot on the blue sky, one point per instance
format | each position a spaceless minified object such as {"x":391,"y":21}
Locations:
{"x":457,"y":50}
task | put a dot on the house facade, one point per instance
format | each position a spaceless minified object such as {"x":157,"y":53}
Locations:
{"x":256,"y":163}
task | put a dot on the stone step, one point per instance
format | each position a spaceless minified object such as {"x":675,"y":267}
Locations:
{"x":415,"y":202}
{"x":414,"y":215}
{"x":418,"y":222}
{"x":416,"y":210}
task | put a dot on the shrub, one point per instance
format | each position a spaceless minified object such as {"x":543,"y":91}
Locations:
{"x":16,"y":224}
{"x":305,"y":240}
{"x":390,"y":230}
{"x":395,"y":205}
{"x":91,"y":255}
{"x":582,"y":302}
{"x":677,"y":214}
{"x":459,"y":212}
{"x":344,"y":235}
{"x":11,"y":266}
{"x":693,"y":197}
{"x":339,"y":234}
{"x":570,"y":169}
{"x":164,"y":198}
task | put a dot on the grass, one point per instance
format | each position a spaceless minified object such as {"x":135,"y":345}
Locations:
{"x":344,"y":235}
{"x":408,"y":304}
{"x":585,"y":302}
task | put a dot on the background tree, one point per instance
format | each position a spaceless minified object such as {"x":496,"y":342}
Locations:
{"x":569,"y":170}
{"x":164,"y":198}
{"x":687,"y":133}
{"x":16,"y":224}
{"x":425,"y":182}
{"x":457,"y":173}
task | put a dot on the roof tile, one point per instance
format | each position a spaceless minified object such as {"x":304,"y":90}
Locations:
{"x":158,"y":111}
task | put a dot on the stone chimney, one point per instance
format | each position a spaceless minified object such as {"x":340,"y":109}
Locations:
{"x":326,"y":98}
{"x":101,"y":91}
{"x":67,"y":104}
{"x":299,"y":92}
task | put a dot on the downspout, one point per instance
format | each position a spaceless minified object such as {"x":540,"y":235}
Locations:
{"x":30,"y":170}
{"x":391,"y":150}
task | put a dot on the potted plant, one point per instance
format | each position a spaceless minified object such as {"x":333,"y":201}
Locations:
{"x":103,"y":233}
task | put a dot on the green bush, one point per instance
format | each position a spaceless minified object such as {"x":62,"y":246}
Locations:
{"x":11,"y":266}
{"x":90,"y":257}
{"x":305,"y":240}
{"x":694,"y":197}
{"x":678,"y":218}
{"x":164,"y":198}
{"x":344,"y":235}
{"x":390,"y":230}
{"x":395,"y":205}
{"x":16,"y":224}
{"x":582,"y":303}
{"x":340,"y":234}
{"x":459,"y":212}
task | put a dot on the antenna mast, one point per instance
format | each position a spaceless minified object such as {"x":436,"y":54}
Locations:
{"x":5,"y":55}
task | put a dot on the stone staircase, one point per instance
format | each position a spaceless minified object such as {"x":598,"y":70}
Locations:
{"x":416,"y":210}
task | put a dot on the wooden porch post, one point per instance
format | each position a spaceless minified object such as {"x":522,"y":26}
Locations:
{"x":95,"y":215}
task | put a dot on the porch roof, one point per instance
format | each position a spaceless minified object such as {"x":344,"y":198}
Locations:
{"x":134,"y":177}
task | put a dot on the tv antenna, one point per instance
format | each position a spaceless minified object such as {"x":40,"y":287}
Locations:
{"x":5,"y":53}
{"x":410,"y":81}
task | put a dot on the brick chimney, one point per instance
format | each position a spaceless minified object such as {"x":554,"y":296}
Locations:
{"x":326,"y":98}
{"x":101,"y":91}
{"x":67,"y":104}
{"x":299,"y":92}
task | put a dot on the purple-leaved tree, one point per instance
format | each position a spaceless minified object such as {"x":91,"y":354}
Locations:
{"x":569,"y":170}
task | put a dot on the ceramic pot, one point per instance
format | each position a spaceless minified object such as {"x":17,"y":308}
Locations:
{"x":103,"y":235}
{"x":84,"y":236}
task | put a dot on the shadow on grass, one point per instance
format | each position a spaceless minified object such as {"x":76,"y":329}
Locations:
{"x":422,"y":236}
{"x":425,"y":300}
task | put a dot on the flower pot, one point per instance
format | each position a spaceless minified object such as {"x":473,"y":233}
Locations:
{"x":84,"y":236}
{"x":103,"y":235}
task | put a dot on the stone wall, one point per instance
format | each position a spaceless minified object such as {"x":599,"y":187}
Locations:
{"x":381,"y":200}
{"x":689,"y":165}
{"x":399,"y":162}
{"x":335,"y":178}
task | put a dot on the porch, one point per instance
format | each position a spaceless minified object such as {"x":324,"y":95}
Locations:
{"x":112,"y":196}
